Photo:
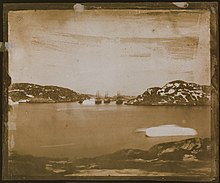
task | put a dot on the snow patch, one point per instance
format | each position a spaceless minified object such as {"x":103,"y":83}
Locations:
{"x":149,"y":91}
{"x":171,"y":91}
{"x":168,"y":85}
{"x":162,"y":93}
{"x":177,"y":84}
{"x":31,"y":96}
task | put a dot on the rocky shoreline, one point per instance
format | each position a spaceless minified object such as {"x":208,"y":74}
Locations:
{"x":190,"y":157}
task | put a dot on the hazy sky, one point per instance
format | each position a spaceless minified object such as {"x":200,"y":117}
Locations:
{"x":119,"y":50}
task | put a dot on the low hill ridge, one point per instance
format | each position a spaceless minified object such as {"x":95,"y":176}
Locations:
{"x":176,"y":92}
{"x":33,"y":93}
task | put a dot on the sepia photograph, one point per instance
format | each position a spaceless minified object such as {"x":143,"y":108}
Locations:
{"x":111,"y":91}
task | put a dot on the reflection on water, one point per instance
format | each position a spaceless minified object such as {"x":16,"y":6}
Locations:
{"x":76,"y":130}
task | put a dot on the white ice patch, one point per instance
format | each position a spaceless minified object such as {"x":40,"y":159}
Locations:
{"x":169,"y":130}
{"x":89,"y":102}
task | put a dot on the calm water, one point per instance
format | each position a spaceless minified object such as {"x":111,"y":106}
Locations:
{"x":74,"y":130}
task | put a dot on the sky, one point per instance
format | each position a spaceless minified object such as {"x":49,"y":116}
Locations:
{"x":124,"y":51}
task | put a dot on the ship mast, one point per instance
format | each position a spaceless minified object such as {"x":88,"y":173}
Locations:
{"x":118,"y":94}
{"x":97,"y":94}
{"x":106,"y":94}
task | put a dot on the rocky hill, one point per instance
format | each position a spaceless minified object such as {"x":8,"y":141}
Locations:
{"x":174,"y":93}
{"x":190,"y":157}
{"x":33,"y":93}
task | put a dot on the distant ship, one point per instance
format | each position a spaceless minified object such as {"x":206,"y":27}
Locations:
{"x":107,"y":99}
{"x":80,"y":101}
{"x":98,"y":100}
{"x":119,"y":99}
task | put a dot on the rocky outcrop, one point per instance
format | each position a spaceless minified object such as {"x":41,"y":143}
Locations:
{"x":33,"y":93}
{"x":174,"y":93}
{"x":193,"y":149}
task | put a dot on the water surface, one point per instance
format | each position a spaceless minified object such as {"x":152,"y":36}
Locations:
{"x":75,"y":130}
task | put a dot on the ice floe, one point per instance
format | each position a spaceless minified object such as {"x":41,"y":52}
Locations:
{"x":89,"y":102}
{"x":168,"y":130}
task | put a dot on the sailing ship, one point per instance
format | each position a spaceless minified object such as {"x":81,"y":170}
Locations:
{"x":107,"y":99}
{"x":119,"y":99}
{"x":98,"y":99}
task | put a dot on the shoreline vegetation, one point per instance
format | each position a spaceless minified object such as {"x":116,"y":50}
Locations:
{"x":173,"y":93}
{"x":189,"y":157}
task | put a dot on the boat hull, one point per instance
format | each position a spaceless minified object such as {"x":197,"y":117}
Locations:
{"x":98,"y":101}
{"x":107,"y":101}
{"x":119,"y":102}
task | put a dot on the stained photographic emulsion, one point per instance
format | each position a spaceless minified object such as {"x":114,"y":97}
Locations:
{"x":110,"y":91}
